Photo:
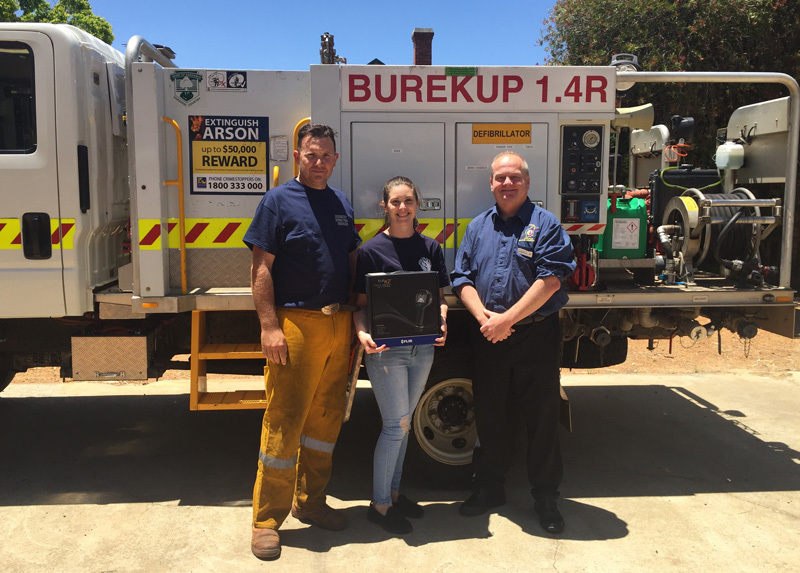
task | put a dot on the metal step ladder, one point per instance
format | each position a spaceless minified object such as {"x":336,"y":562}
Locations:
{"x":202,"y":351}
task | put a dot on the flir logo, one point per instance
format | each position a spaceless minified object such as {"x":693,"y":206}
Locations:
{"x":406,"y":341}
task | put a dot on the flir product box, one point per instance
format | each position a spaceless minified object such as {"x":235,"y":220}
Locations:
{"x":403,"y":307}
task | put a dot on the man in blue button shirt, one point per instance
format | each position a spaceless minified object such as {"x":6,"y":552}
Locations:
{"x":509,"y":273}
{"x":304,"y":245}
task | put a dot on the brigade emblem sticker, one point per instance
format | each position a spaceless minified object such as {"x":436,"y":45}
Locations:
{"x":186,"y":85}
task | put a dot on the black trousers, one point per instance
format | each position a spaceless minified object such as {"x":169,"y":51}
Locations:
{"x":522,"y":373}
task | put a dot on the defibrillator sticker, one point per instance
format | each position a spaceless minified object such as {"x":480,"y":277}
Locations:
{"x":229,"y":155}
{"x":501,"y":133}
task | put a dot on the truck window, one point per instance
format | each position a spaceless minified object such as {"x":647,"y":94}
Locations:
{"x":17,"y":109}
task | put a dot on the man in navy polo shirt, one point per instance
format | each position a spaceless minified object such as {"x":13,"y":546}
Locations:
{"x":508,"y":273}
{"x":304,"y":245}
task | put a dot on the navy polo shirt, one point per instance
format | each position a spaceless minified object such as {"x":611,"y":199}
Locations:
{"x":502,"y":259}
{"x":311,"y":233}
{"x":386,"y":254}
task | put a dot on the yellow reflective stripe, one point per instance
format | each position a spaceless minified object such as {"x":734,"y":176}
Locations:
{"x":432,"y":228}
{"x":150,"y":234}
{"x":9,"y":234}
{"x":200,"y":233}
{"x":368,"y":228}
{"x":440,"y":230}
{"x":62,"y":233}
{"x":462,"y":229}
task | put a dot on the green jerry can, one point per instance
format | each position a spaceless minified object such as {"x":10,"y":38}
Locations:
{"x":625,"y":235}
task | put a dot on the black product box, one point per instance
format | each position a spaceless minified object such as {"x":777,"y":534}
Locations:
{"x":403,"y":307}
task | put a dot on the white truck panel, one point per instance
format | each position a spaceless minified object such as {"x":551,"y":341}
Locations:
{"x":29,"y":184}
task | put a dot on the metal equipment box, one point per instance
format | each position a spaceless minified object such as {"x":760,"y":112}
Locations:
{"x":111,"y":357}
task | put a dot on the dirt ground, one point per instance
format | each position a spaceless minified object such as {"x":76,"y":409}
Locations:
{"x":767,"y":355}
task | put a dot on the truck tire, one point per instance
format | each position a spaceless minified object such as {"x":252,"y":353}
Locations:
{"x":443,"y":430}
{"x":6,"y":376}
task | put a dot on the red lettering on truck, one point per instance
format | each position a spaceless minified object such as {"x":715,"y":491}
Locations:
{"x":392,"y":89}
{"x":359,"y":84}
{"x":435,"y":86}
{"x":410,"y":83}
{"x":459,"y":87}
{"x":596,"y":84}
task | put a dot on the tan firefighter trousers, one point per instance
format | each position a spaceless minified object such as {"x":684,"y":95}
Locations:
{"x":305,"y":407}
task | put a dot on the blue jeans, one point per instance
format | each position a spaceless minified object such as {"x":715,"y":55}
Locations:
{"x":398,"y":377}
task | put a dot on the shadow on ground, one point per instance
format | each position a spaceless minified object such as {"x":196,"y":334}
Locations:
{"x":647,"y":440}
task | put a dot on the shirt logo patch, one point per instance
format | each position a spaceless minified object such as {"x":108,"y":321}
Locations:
{"x":425,"y":264}
{"x":529,"y":233}
{"x":342,"y":220}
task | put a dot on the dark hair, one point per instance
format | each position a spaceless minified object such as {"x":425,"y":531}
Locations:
{"x":391,"y":184}
{"x":317,"y":130}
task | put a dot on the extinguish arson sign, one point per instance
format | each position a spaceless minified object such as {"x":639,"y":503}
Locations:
{"x":229,"y":154}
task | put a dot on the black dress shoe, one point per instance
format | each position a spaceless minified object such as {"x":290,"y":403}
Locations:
{"x":408,"y":508}
{"x":482,"y":501}
{"x":393,"y":521}
{"x":549,"y":517}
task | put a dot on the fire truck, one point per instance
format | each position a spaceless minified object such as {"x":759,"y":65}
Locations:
{"x":127,"y":184}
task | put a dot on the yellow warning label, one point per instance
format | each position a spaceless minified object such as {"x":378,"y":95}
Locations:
{"x":501,"y":133}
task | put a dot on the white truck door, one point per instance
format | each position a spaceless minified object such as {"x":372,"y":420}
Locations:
{"x":32,"y":235}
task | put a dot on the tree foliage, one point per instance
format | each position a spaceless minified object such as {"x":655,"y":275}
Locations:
{"x":76,"y":12}
{"x":685,"y":35}
{"x":682,"y":35}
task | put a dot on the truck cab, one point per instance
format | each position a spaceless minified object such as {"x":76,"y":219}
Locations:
{"x":65,"y":201}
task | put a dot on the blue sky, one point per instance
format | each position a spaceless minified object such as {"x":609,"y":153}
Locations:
{"x":250,"y":34}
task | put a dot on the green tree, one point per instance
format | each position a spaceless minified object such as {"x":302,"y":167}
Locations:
{"x":76,"y":12}
{"x":685,"y":35}
{"x":682,"y":35}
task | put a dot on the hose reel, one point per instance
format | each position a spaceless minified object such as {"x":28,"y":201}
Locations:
{"x":729,"y":226}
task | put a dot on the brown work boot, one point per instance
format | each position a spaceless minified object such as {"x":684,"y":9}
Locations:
{"x":324,"y":516}
{"x":265,"y":543}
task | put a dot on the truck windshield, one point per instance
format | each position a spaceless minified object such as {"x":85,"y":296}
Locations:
{"x":17,"y":109}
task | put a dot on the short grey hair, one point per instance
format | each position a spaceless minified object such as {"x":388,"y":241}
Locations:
{"x":525,"y":170}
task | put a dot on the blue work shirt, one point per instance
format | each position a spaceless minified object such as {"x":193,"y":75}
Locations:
{"x":502,"y":259}
{"x":311,"y":232}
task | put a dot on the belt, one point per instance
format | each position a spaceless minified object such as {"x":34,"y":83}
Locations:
{"x":530,"y":319}
{"x":336,"y":307}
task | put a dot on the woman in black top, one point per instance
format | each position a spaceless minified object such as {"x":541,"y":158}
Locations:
{"x":397,"y":374}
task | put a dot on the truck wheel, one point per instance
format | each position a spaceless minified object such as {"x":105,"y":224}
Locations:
{"x":6,"y":376}
{"x":443,"y":430}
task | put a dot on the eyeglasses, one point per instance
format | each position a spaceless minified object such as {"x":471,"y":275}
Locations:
{"x":515,"y":179}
